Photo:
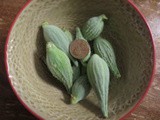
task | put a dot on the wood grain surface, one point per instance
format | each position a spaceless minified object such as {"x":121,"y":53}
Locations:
{"x":10,"y":107}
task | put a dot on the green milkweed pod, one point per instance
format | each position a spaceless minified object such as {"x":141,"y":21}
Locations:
{"x":94,"y":27}
{"x":80,"y":89}
{"x":79,"y":36}
{"x":98,"y":75}
{"x":58,"y":37}
{"x":105,"y":50}
{"x":59,"y":65}
{"x":69,"y":35}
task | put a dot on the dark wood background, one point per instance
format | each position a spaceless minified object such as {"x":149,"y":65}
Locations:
{"x":10,"y":107}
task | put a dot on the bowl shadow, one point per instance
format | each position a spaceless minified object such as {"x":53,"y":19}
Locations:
{"x":90,"y":106}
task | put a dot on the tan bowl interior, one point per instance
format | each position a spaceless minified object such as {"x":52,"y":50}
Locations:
{"x":43,"y":94}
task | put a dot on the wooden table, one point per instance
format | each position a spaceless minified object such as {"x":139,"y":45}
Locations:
{"x":11,"y":109}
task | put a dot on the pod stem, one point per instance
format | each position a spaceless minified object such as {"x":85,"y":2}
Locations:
{"x":45,"y":24}
{"x":73,"y":100}
{"x":118,"y":75}
{"x":103,"y":17}
{"x":64,"y":29}
{"x":79,"y":34}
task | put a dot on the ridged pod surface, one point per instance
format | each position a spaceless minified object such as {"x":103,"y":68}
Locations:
{"x":58,"y":37}
{"x":80,"y":89}
{"x":59,"y":65}
{"x":93,"y":27}
{"x":99,"y":77}
{"x":105,"y":50}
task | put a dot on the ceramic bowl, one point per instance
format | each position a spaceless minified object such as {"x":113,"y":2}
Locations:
{"x":43,"y":95}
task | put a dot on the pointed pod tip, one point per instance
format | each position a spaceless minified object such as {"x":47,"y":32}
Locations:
{"x":78,"y":31}
{"x":117,"y":74}
{"x":65,"y":29}
{"x":105,"y":115}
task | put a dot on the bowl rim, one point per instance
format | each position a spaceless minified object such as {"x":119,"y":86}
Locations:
{"x":39,"y":116}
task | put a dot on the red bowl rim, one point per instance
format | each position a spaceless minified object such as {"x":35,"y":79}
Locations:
{"x":37,"y":115}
